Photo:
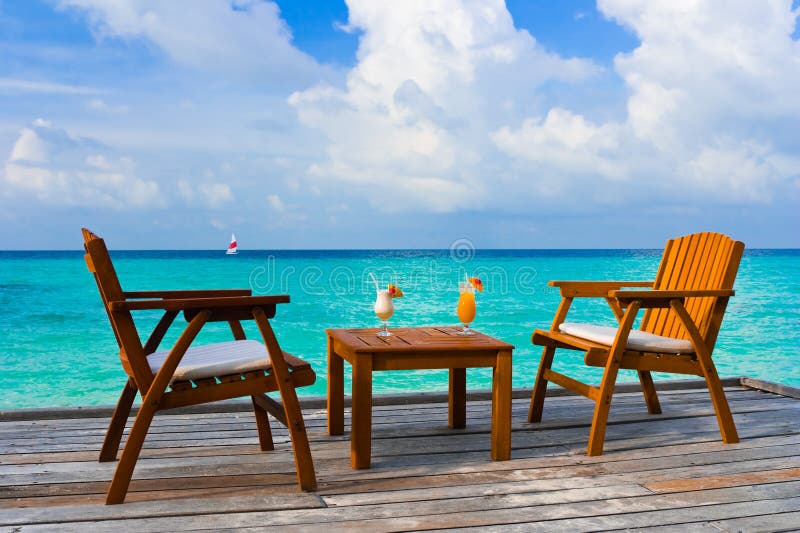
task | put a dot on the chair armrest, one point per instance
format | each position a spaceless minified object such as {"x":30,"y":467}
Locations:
{"x":659,"y":298}
{"x":201,"y":293}
{"x":577,"y":289}
{"x":182,"y":304}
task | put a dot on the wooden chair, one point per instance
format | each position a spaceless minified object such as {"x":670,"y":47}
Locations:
{"x":188,"y":375}
{"x":684,"y":307}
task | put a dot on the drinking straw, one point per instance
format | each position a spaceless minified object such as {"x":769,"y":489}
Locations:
{"x":375,"y":281}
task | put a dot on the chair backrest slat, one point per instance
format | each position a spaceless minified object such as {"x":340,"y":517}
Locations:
{"x":726,"y":278}
{"x":689,"y":248}
{"x":697,"y":266}
{"x":662,"y":269}
{"x":98,"y":261}
{"x":723,"y":275}
{"x":718,"y":257}
{"x":710,"y":250}
{"x":692,"y":271}
{"x":654,"y":318}
{"x":698,"y":261}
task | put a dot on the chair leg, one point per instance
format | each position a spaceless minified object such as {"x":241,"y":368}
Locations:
{"x":264,"y":431}
{"x":297,"y":431}
{"x":649,"y":391}
{"x":597,"y":435}
{"x":724,"y":418}
{"x":117,"y":425}
{"x":304,"y":464}
{"x":540,"y":386}
{"x":130,"y":454}
{"x":727,"y":427}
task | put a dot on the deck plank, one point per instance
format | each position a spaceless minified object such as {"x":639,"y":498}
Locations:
{"x":668,"y":472}
{"x":394,"y":452}
{"x":406,"y":421}
{"x":677,"y":397}
{"x":473,"y":512}
{"x":437,"y":434}
{"x":760,"y":515}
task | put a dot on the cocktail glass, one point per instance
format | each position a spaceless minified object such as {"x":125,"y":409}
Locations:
{"x":466,"y":307}
{"x":384,"y":308}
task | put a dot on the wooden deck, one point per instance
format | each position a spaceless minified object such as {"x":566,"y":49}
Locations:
{"x":669,"y":471}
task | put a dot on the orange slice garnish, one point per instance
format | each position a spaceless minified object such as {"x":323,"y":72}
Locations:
{"x":477,"y":283}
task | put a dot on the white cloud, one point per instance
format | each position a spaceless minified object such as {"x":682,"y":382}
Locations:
{"x":710,"y":86}
{"x":287,"y":215}
{"x":734,"y":170}
{"x":60,"y":168}
{"x":244,"y":38}
{"x":410,"y":129}
{"x":185,"y":190}
{"x":448,"y":107}
{"x":442,"y":110}
{"x":95,"y":104}
{"x":565,"y":142}
{"x":704,"y":62}
{"x":29,"y":148}
{"x":711,"y":89}
{"x":216,"y":194}
{"x":208,"y":194}
{"x":98,"y":161}
{"x":276,"y":203}
{"x":15,"y":85}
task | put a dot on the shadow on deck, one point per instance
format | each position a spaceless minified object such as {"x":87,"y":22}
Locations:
{"x":201,"y":469}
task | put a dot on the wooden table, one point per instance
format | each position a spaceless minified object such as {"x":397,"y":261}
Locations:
{"x":414,"y":349}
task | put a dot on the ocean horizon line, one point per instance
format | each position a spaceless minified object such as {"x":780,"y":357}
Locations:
{"x":253,"y":250}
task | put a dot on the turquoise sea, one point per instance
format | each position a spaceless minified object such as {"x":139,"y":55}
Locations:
{"x":57,"y":349}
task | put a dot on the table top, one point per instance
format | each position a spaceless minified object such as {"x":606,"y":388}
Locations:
{"x":433,"y":338}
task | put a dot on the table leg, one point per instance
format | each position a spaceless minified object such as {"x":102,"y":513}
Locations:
{"x":361,"y":426}
{"x":501,"y":407}
{"x":457,"y":407}
{"x":335,"y":392}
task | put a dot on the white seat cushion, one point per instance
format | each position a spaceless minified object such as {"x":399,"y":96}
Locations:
{"x":637,"y":340}
{"x":218,"y":359}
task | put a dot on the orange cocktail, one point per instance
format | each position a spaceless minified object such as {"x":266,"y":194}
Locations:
{"x":466,"y":306}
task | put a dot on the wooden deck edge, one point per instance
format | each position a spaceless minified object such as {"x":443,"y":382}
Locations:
{"x":770,"y":386}
{"x":320,"y":402}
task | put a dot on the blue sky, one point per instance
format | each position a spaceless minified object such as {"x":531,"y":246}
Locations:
{"x":359,"y":124}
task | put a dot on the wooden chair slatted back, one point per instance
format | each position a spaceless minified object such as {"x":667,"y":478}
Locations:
{"x":132,"y":354}
{"x":698,"y":261}
{"x":107,"y":282}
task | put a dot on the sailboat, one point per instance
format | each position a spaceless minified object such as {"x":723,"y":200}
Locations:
{"x":232,"y":249}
